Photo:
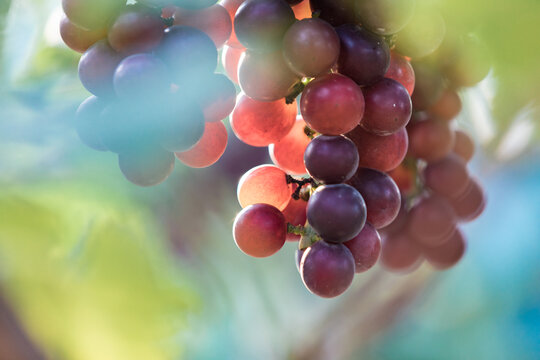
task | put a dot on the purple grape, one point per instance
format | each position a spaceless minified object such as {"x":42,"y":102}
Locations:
{"x":96,"y":69}
{"x":327,"y":269}
{"x":331,"y":159}
{"x":141,"y":76}
{"x":388,"y":107}
{"x":365,"y":248}
{"x":364,"y":56}
{"x":336,"y":212}
{"x":336,"y":12}
{"x":381,"y":195}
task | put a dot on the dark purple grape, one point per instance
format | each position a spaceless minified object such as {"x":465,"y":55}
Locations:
{"x":388,"y":107}
{"x":364,"y":56}
{"x":188,"y":52}
{"x":336,"y":212}
{"x":336,"y":12}
{"x":331,"y":159}
{"x":381,"y":195}
{"x":146,"y":166}
{"x":96,"y":69}
{"x":141,"y":76}
{"x":429,"y":86}
{"x":384,"y":17}
{"x":365,"y":248}
{"x":327,"y":269}
{"x":261,"y":24}
{"x":87,"y":122}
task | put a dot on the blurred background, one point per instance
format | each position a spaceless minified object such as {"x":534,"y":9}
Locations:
{"x":93,"y":267}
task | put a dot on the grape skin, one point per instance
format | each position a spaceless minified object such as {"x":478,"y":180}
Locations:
{"x":401,"y":70}
{"x":135,"y":31}
{"x":77,"y":38}
{"x":146,"y":166}
{"x":365,"y":248}
{"x":264,"y":184}
{"x":209,"y":149}
{"x":87,"y":122}
{"x":288,"y":153}
{"x":97,"y":67}
{"x":432,"y":221}
{"x":230,"y":58}
{"x":448,"y":177}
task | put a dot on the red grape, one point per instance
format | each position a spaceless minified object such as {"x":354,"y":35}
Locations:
{"x":463,"y":145}
{"x":77,"y":38}
{"x":327,"y":269}
{"x":209,"y":149}
{"x":96,"y":68}
{"x":288,"y":153}
{"x":404,"y":177}
{"x":295,"y":214}
{"x":429,"y":86}
{"x":259,"y":230}
{"x":447,"y":177}
{"x":140,"y":77}
{"x":265,"y":184}
{"x":448,"y":106}
{"x":365,"y":248}
{"x":399,"y":253}
{"x":146,"y":167}
{"x":218,"y":99}
{"x":471,"y":204}
{"x":448,"y":254}
{"x":401,"y":70}
{"x":230,"y":57}
{"x":432,"y":221}
{"x":214,"y":21}
{"x":332,"y":104}
{"x":232,"y":6}
{"x":430,"y":140}
{"x":136,"y":31}
{"x":260,"y":123}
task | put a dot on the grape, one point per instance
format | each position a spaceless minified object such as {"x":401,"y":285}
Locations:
{"x":401,"y":70}
{"x":265,"y":184}
{"x":382,"y":153}
{"x":471,"y":204}
{"x":399,"y":223}
{"x":399,"y":253}
{"x":265,"y":77}
{"x":388,"y":107}
{"x":336,"y":12}
{"x":422,"y":35}
{"x":232,"y":6}
{"x":404,"y":177}
{"x":364,"y":56}
{"x":298,"y":254}
{"x":327,"y":269}
{"x":432,"y":221}
{"x":261,"y":24}
{"x":136,"y":31}
{"x":365,"y":248}
{"x":167,"y":12}
{"x":463,"y":145}
{"x":194,"y":4}
{"x":92,"y":14}
{"x":384,"y":17}
{"x":332,"y":104}
{"x":87,"y":122}
{"x":209,"y":149}
{"x":448,"y":254}
{"x":259,"y":230}
{"x":96,"y":69}
{"x":259,"y":123}
{"x":311,"y":47}
{"x":428,"y":88}
{"x":218,"y":99}
{"x":448,"y":106}
{"x":288,"y":153}
{"x":145,"y":166}
{"x":295,"y":214}
{"x":430,"y":140}
{"x":331,"y":159}
{"x":447,"y":177}
{"x":214,"y":21}
{"x":336,"y":212}
{"x":302,"y":10}
{"x":77,"y":38}
{"x":141,"y":76}
{"x":381,"y":195}
{"x":188,"y":52}
{"x":230,"y":57}
{"x":183,"y":128}
{"x":471,"y":63}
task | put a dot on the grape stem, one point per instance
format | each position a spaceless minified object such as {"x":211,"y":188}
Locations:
{"x":309,"y":236}
{"x":300,"y":183}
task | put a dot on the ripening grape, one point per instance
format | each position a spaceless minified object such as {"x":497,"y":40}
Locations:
{"x":77,"y":38}
{"x":448,"y":254}
{"x":288,"y":153}
{"x":311,"y":47}
{"x":146,"y":166}
{"x":399,"y":253}
{"x":261,"y":24}
{"x":87,"y":122}
{"x":218,"y":98}
{"x":431,"y":221}
{"x":422,"y":35}
{"x":266,"y":184}
{"x":332,"y":104}
{"x":471,"y":204}
{"x":92,"y":14}
{"x":260,"y":123}
{"x":430,"y":140}
{"x":365,"y":248}
{"x":384,"y":17}
{"x":327,"y":269}
{"x":463,"y":145}
{"x":448,"y":106}
{"x":401,"y":70}
{"x":331,"y":159}
{"x":336,"y":12}
{"x":448,"y":177}
{"x":230,"y":58}
{"x":336,"y":212}
{"x":471,"y":63}
{"x":381,"y":195}
{"x":429,"y":86}
{"x":96,"y":69}
{"x":259,"y":230}
{"x":214,"y":21}
{"x":209,"y":149}
{"x":388,"y":107}
{"x":265,"y":77}
{"x":141,"y":76}
{"x":382,"y":153}
{"x":364,"y":56}
{"x":136,"y":31}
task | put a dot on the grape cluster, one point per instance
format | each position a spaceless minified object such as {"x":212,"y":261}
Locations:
{"x":351,"y":167}
{"x":151,"y":69}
